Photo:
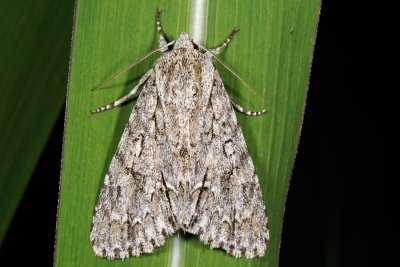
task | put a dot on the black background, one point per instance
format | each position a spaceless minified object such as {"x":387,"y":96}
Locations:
{"x":340,"y":208}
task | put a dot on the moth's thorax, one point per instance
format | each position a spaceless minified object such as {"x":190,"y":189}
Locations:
{"x":184,"y":77}
{"x":183,"y":41}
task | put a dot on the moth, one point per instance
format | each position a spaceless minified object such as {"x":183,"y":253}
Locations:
{"x":181,"y":164}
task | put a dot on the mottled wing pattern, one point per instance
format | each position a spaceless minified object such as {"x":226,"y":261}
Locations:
{"x":132,"y":215}
{"x":230,"y":212}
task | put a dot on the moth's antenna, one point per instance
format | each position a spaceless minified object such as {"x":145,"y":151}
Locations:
{"x":131,"y":65}
{"x":233,"y":73}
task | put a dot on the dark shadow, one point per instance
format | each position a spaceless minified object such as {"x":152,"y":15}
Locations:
{"x":33,"y":227}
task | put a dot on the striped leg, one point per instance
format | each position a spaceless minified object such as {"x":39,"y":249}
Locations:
{"x":248,"y":112}
{"x":163,"y":42}
{"x":218,"y":49}
{"x":124,"y":98}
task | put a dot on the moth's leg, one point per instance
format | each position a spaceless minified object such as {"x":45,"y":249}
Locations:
{"x":124,"y":98}
{"x":247,"y":112}
{"x":162,"y":41}
{"x":218,"y":49}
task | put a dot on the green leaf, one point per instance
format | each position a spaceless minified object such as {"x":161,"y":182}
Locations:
{"x":272,"y":52}
{"x":34,"y":60}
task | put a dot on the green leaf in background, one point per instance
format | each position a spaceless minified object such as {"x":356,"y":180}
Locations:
{"x":34,"y":47}
{"x":272,"y":52}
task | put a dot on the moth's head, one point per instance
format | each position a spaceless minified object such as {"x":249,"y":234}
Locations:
{"x":184,"y":41}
